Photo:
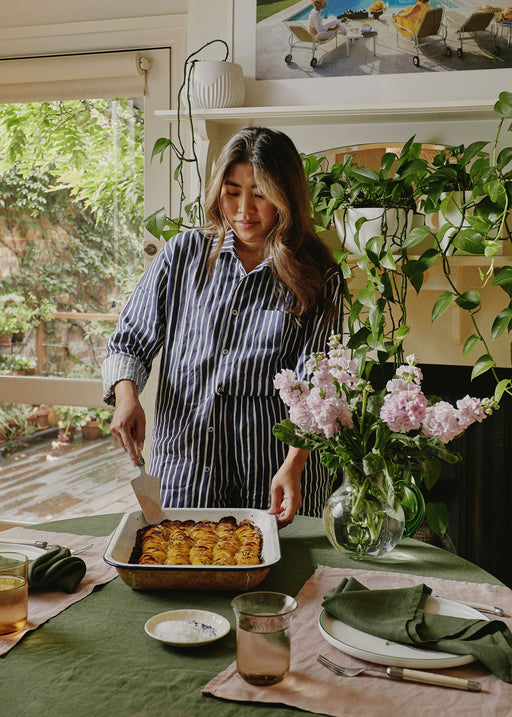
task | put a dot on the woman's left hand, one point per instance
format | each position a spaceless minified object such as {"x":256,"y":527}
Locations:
{"x":285,"y":492}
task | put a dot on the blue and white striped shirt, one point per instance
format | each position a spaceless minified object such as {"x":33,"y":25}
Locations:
{"x":224,"y":334}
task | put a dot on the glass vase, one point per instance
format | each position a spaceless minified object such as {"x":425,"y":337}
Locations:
{"x":364,"y":516}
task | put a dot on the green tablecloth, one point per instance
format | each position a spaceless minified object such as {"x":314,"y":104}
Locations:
{"x":94,"y":659}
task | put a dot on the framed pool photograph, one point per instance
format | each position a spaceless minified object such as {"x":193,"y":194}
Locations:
{"x":300,"y":39}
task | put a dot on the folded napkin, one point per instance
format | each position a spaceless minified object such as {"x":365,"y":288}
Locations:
{"x":398,"y":615}
{"x":56,"y":570}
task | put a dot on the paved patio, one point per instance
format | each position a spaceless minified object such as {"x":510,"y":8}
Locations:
{"x":43,"y":480}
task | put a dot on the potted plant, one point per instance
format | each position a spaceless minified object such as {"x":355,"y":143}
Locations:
{"x":373,"y":213}
{"x":364,"y":202}
{"x":18,"y":365}
{"x":463,"y":183}
{"x":96,"y":423}
{"x":7,"y":325}
{"x":377,"y":312}
{"x":69,"y":420}
{"x":17,"y":316}
{"x":482,"y":229}
{"x":190,"y":94}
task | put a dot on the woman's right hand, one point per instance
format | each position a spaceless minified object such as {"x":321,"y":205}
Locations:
{"x":129,"y":421}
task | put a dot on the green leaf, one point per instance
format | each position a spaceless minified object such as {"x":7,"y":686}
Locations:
{"x":416,"y":236}
{"x":504,"y":157}
{"x":155,"y":223}
{"x":376,"y":318}
{"x":503,"y":106}
{"x":469,"y":344}
{"x":402,"y":332}
{"x":438,"y":517}
{"x":470,"y":241}
{"x":286,"y":432}
{"x":160,"y":146}
{"x":367,"y":296}
{"x":442,"y":304}
{"x":502,"y":322}
{"x":497,"y":192}
{"x":414,"y":271}
{"x":502,"y":386}
{"x":431,"y":472}
{"x":484,"y":363}
{"x":388,"y":260}
{"x":503,"y":276}
{"x":365,"y":174}
{"x":469,"y":300}
{"x":472,"y":150}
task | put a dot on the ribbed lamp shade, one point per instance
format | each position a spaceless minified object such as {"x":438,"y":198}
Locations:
{"x":215,"y":83}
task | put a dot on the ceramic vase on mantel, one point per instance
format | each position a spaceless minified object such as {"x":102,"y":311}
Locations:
{"x":362,"y":521}
{"x":216,"y":83}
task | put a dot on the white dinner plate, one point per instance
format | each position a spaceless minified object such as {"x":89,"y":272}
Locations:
{"x":375,"y":649}
{"x":209,"y":626}
{"x":29,"y":550}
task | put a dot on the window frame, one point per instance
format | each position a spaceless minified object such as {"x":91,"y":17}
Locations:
{"x":157,"y":193}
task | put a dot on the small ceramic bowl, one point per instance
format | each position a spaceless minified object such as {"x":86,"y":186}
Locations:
{"x":192,"y":627}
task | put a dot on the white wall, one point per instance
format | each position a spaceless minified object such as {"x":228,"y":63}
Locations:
{"x":34,"y":12}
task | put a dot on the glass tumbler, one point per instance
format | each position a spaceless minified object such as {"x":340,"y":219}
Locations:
{"x":263,"y":636}
{"x":13,"y":592}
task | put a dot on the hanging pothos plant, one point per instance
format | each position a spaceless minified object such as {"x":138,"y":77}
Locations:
{"x":159,"y":224}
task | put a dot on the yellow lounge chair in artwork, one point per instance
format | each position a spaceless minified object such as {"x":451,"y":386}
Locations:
{"x":300,"y":37}
{"x":429,"y":31}
{"x":475,"y":23}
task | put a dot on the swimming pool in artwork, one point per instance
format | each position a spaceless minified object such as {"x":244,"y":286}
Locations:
{"x":337,"y":7}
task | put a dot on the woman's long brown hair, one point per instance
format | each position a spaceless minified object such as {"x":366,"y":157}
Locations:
{"x":300,"y":259}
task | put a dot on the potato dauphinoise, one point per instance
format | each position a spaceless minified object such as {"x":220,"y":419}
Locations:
{"x":206,"y":542}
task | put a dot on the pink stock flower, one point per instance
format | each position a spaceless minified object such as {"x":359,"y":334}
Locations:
{"x":441,"y":421}
{"x":329,"y":409}
{"x":404,"y":411}
{"x":301,"y":415}
{"x":290,"y":388}
{"x":470,"y":410}
{"x":334,"y":395}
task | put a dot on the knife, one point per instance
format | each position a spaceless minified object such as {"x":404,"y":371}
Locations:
{"x":147,"y":490}
{"x":492,"y":609}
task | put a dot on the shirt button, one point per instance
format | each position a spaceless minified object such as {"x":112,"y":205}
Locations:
{"x":207,"y":469}
{"x":210,"y":429}
{"x":235,"y":312}
{"x":225,"y":351}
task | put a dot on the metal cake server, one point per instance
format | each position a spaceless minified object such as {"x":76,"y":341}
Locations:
{"x":147,"y":490}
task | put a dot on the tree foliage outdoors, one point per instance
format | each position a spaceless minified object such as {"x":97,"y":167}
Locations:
{"x":71,"y":195}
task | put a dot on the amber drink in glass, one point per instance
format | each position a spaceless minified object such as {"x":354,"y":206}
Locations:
{"x":13,"y":592}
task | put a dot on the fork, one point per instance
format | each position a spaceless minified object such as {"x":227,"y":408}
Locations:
{"x":401,"y":673}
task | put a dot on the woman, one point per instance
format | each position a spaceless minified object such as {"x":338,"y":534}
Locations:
{"x":230,"y":306}
{"x":323,"y":30}
{"x":409,"y":20}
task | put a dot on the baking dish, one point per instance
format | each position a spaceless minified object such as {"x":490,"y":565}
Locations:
{"x":193,"y":577}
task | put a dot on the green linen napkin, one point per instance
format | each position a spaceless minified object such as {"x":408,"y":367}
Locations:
{"x":56,"y":570}
{"x":398,"y":615}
